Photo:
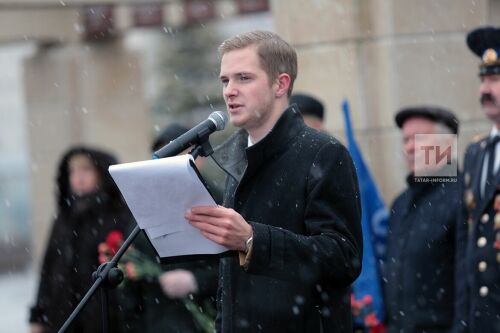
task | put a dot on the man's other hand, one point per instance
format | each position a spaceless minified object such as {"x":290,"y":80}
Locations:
{"x":178,"y":283}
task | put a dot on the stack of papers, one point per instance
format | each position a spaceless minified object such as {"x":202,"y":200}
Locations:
{"x":158,"y":193}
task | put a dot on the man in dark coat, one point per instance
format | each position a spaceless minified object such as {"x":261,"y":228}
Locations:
{"x":419,"y":267}
{"x":291,"y":209}
{"x":311,"y":109}
{"x":89,"y":207}
{"x":478,"y":279}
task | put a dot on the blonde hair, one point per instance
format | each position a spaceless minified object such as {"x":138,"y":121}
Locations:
{"x":275,"y":55}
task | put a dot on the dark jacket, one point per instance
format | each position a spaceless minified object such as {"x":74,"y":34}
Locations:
{"x":478,"y":289}
{"x":298,"y":189}
{"x":71,"y":255}
{"x":419,"y":267}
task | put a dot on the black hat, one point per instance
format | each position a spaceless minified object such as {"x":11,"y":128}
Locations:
{"x":436,"y":114}
{"x":169,"y":133}
{"x":485,"y":43}
{"x":308,"y":105}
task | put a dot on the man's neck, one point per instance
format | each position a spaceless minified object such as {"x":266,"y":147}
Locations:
{"x":258,"y":133}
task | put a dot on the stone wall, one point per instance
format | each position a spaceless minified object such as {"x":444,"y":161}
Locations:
{"x":80,"y":94}
{"x":383,"y":55}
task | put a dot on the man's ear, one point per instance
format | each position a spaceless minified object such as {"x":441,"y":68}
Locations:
{"x":283,"y":82}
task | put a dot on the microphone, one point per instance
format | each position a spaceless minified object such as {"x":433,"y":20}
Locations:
{"x":215,"y":122}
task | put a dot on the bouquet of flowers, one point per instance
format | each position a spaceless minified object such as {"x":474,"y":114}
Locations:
{"x":137,"y":266}
{"x":362,"y":310}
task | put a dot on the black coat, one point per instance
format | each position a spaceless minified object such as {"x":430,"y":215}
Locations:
{"x":298,"y":189}
{"x":478,"y":289}
{"x":419,"y":267}
{"x":72,"y":252}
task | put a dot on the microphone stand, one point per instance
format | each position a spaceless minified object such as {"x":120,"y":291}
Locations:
{"x":108,"y":275}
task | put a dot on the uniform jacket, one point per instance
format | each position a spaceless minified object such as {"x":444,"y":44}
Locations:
{"x":72,"y":255}
{"x":419,"y":266}
{"x":478,"y":289}
{"x":298,"y":189}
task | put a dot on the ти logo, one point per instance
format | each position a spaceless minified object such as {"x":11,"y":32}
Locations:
{"x":438,"y":157}
{"x":435,"y":155}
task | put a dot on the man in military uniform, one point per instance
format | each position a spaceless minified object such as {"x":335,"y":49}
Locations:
{"x":478,"y":274}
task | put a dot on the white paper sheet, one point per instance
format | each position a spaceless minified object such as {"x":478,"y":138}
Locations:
{"x":158,"y":193}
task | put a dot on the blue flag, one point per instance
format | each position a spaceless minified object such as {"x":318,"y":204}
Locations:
{"x":374,"y":221}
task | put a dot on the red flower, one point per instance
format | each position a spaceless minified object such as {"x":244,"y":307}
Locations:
{"x":104,"y":252}
{"x":368,"y":299}
{"x":355,"y":306}
{"x":114,"y":241}
{"x":131,"y":270}
{"x":380,"y":328}
{"x":371,"y":320}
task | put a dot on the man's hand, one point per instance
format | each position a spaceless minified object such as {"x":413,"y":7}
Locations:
{"x":178,"y":283}
{"x":221,"y":225}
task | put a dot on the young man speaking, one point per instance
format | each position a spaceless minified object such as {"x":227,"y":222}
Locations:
{"x":291,"y":205}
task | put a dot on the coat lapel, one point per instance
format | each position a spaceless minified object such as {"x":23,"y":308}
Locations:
{"x":242,"y":162}
{"x":230,"y":156}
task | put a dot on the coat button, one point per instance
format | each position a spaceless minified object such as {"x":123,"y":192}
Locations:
{"x":482,"y":266}
{"x":481,"y":242}
{"x":483,"y":291}
{"x":485,"y":218}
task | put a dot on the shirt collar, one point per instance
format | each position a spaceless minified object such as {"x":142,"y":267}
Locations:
{"x":494,"y":132}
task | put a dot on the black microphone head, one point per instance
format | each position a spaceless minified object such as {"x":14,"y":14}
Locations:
{"x":219,"y":118}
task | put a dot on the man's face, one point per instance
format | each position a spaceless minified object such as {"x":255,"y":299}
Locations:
{"x":247,"y":90}
{"x":313,"y":122}
{"x":412,"y":126}
{"x":489,"y":93}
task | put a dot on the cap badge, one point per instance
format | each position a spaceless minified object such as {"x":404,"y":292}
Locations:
{"x":490,"y":56}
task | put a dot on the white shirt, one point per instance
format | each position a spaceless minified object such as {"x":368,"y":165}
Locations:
{"x":494,"y":131}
